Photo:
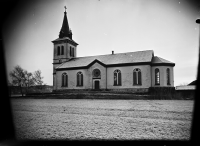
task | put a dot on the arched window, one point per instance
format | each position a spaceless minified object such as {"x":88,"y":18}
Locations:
{"x":137,"y":77}
{"x":96,"y":73}
{"x":79,"y":79}
{"x":58,"y":50}
{"x":62,"y":50}
{"x":117,"y":78}
{"x":71,"y":51}
{"x":168,"y":76}
{"x":157,"y":76}
{"x":64,"y":80}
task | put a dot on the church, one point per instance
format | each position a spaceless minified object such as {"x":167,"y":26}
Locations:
{"x":130,"y":71}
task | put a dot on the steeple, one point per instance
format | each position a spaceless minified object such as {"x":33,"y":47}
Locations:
{"x":65,"y":31}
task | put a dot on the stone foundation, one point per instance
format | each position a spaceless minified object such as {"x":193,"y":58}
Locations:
{"x":133,"y":90}
{"x":125,"y":90}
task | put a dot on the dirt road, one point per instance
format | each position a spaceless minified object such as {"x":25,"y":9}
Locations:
{"x":102,"y":119}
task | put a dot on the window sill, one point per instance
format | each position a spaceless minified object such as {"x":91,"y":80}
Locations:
{"x":117,"y":85}
{"x":137,"y":85}
{"x":96,"y":77}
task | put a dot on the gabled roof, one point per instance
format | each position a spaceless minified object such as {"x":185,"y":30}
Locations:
{"x":156,"y":61}
{"x":109,"y":60}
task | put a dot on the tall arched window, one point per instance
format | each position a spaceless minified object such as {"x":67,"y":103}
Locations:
{"x":157,"y":76}
{"x":137,"y":77}
{"x":72,"y":52}
{"x":64,"y":80}
{"x":168,"y":76}
{"x":117,"y":78}
{"x":62,"y":50}
{"x":58,"y":50}
{"x":79,"y":79}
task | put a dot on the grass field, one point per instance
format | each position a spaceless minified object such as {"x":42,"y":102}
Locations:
{"x":102,"y":119}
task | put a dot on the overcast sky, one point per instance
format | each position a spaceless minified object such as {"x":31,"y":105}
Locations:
{"x":99,"y":26}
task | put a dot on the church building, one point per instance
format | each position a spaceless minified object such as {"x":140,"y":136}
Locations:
{"x":131,"y":71}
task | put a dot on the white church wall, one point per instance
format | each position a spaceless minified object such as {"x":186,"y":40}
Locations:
{"x":163,"y":76}
{"x":54,"y":82}
{"x":55,"y":51}
{"x":68,"y":50}
{"x":103,"y":76}
{"x":54,"y":76}
{"x":127,"y":77}
{"x":148,"y":77}
{"x":72,"y":79}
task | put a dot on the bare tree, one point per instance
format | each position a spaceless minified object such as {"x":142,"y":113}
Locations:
{"x":183,"y":84}
{"x":29,"y":80}
{"x":18,"y":77}
{"x":23,"y":78}
{"x":38,"y":77}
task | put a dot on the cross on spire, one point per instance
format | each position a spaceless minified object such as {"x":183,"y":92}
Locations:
{"x":65,"y":32}
{"x":65,"y":8}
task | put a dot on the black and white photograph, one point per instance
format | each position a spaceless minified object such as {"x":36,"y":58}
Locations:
{"x":102,"y":69}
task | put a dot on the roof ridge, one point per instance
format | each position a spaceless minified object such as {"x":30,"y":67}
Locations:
{"x":114,"y":54}
{"x":119,"y":58}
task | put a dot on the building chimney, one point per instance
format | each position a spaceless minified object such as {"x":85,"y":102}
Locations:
{"x":112,"y":52}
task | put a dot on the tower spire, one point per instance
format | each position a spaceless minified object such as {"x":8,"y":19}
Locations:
{"x":65,"y":31}
{"x":65,"y":8}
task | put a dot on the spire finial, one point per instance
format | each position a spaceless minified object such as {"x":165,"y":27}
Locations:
{"x":65,"y":8}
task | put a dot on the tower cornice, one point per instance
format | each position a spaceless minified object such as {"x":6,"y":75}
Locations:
{"x":64,"y":40}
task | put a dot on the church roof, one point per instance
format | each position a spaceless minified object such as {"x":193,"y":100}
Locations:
{"x":160,"y":61}
{"x":111,"y":59}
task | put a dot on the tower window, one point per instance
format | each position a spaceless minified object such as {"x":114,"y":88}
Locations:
{"x":71,"y":51}
{"x":62,"y":50}
{"x":117,"y":78}
{"x":157,"y":76}
{"x":58,"y":50}
{"x":137,"y":77}
{"x":64,"y":80}
{"x":79,"y":79}
{"x":168,"y":76}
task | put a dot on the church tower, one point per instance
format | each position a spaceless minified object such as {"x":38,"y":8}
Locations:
{"x":64,"y":46}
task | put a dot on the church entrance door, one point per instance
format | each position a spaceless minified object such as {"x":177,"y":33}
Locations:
{"x":96,"y":84}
